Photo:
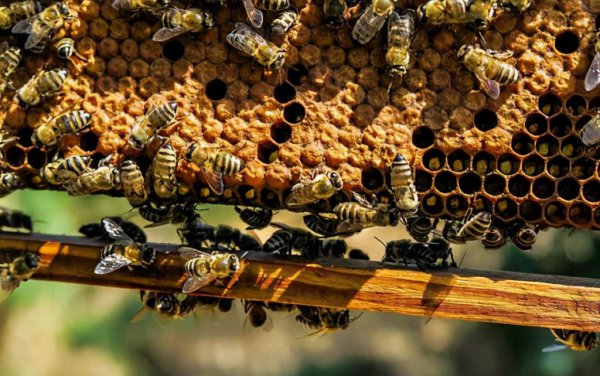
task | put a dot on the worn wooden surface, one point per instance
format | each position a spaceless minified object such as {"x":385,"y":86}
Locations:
{"x":499,"y":297}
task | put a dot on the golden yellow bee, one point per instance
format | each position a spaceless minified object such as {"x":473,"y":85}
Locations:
{"x":40,"y":86}
{"x":573,"y":339}
{"x":176,"y":22}
{"x":18,"y":270}
{"x":356,"y":216}
{"x":134,"y":185}
{"x":135,"y":5}
{"x":164,"y":180}
{"x":41,"y":26}
{"x":321,"y":187}
{"x":203,"y":268}
{"x":9,"y":61}
{"x":70,"y":122}
{"x":146,"y":126}
{"x":248,"y":41}
{"x":334,"y":12}
{"x":438,"y":12}
{"x":213,"y":164}
{"x":488,"y":68}
{"x":372,"y":20}
{"x":401,"y":29}
{"x":9,"y":181}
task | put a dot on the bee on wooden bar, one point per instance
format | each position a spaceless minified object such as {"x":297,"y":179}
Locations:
{"x":137,"y":5}
{"x":41,"y":86}
{"x":15,"y":219}
{"x":495,"y":237}
{"x":155,"y":119}
{"x":372,"y":20}
{"x":490,"y":71}
{"x":9,"y":61}
{"x":65,"y":49}
{"x":573,"y":339}
{"x":134,"y":185}
{"x":70,"y":122}
{"x":123,"y":252}
{"x":248,"y":41}
{"x":166,"y":305}
{"x":43,"y":25}
{"x":257,"y":315}
{"x":213,"y":165}
{"x":356,"y":216}
{"x":321,"y":187}
{"x":164,"y":179}
{"x":203,"y":268}
{"x":255,"y":218}
{"x":9,"y":182}
{"x":284,"y":21}
{"x":425,"y":255}
{"x":321,"y":225}
{"x":357,"y":254}
{"x":590,"y":133}
{"x":334,"y":12}
{"x":18,"y":270}
{"x":195,"y":233}
{"x":324,"y":320}
{"x":473,"y":228}
{"x":176,"y":22}
{"x":287,"y":239}
{"x":97,"y":230}
{"x":336,"y":248}
{"x":401,"y":30}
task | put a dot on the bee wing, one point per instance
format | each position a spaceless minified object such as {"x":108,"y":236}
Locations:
{"x":553,"y":348}
{"x":165,"y":33}
{"x":139,"y":315}
{"x":213,"y":179}
{"x":24,"y":26}
{"x":111,"y":263}
{"x":394,"y":19}
{"x":39,"y":37}
{"x":361,"y":200}
{"x":247,"y":30}
{"x":347,"y":227}
{"x":254,"y":15}
{"x":592,"y":78}
{"x":491,"y":87}
{"x":500,"y":55}
{"x":190,"y":253}
{"x":295,"y":198}
{"x":114,"y":230}
{"x":195,"y":283}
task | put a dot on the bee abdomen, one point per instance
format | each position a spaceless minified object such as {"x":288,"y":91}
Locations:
{"x":227,"y":164}
{"x":504,"y":73}
{"x":272,"y":4}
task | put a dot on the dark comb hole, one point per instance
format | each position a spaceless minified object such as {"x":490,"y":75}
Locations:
{"x":506,"y":208}
{"x":457,"y":205}
{"x":494,"y":184}
{"x":519,"y":186}
{"x":486,"y":120}
{"x":423,"y":137}
{"x":95,"y":159}
{"x":284,"y":93}
{"x":536,"y":124}
{"x":576,"y":105}
{"x":294,"y":113}
{"x":484,"y":163}
{"x":530,"y":211}
{"x":15,"y":156}
{"x":445,"y":182}
{"x":580,"y":214}
{"x":546,"y":146}
{"x":508,"y":164}
{"x":591,"y":191}
{"x":594,"y":103}
{"x":88,"y":141}
{"x":36,"y":158}
{"x":24,"y":135}
{"x":267,"y":152}
{"x":597,"y":216}
{"x":560,"y":125}
{"x":371,"y":178}
{"x":555,"y":212}
{"x":432,"y":204}
{"x":583,"y":168}
{"x":572,"y":147}
{"x":549,"y":104}
{"x":597,"y":22}
{"x":568,"y":189}
{"x":522,"y":144}
{"x":173,"y":50}
{"x":216,"y":89}
{"x":533,"y":165}
{"x":297,"y":74}
{"x":481,"y":203}
{"x":558,"y":167}
{"x":469,"y":183}
{"x":459,"y":161}
{"x":281,"y":132}
{"x":567,"y":42}
{"x":247,"y":194}
{"x":269,"y":199}
{"x":582,"y":121}
{"x":543,"y":188}
{"x":423,"y":181}
{"x":434,"y":160}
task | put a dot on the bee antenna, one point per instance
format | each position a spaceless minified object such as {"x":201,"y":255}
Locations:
{"x":381,"y":241}
{"x":244,"y":255}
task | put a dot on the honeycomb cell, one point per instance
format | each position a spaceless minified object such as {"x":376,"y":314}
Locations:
{"x":423,"y":137}
{"x":88,"y":141}
{"x":457,"y":205}
{"x":530,"y":211}
{"x":549,"y":104}
{"x":294,"y":113}
{"x":247,"y":194}
{"x":575,"y":105}
{"x":485,"y":120}
{"x":432,"y":204}
{"x":546,"y":146}
{"x":567,"y":42}
{"x":216,"y":89}
{"x":582,"y":121}
{"x":522,"y":144}
{"x":580,"y":214}
{"x":568,"y":189}
{"x":284,"y":93}
{"x":508,"y":164}
{"x":506,"y":208}
{"x":445,"y":182}
{"x":469,"y":183}
{"x":434,"y":159}
{"x":533,"y":165}
{"x":494,"y":184}
{"x":543,"y":188}
{"x":15,"y":156}
{"x":572,"y":147}
{"x":555,"y":212}
{"x":557,"y":167}
{"x":270,"y":199}
{"x":267,"y":152}
{"x":281,"y":132}
{"x":536,"y":124}
{"x":423,"y":181}
{"x":519,"y":186}
{"x":484,"y":163}
{"x":459,"y":161}
{"x":594,"y":104}
{"x":583,"y":168}
{"x":36,"y":158}
{"x":297,"y":74}
{"x":591,"y":191}
{"x":24,"y":135}
{"x":560,"y":125}
{"x":371,"y":178}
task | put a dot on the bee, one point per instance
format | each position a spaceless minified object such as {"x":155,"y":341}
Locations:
{"x":255,"y":218}
{"x":228,"y":237}
{"x":9,"y":181}
{"x":18,"y":9}
{"x":103,"y":178}
{"x":195,"y":233}
{"x":517,"y":6}
{"x":15,"y":219}
{"x":65,"y":49}
{"x":97,"y":230}
{"x":213,"y":165}
{"x":573,"y":339}
{"x":123,"y":252}
{"x":523,"y":235}
{"x":401,"y":30}
{"x":334,"y":12}
{"x":257,"y":315}
{"x":495,"y":237}
{"x":42,"y":25}
{"x":65,"y":170}
{"x":203,"y":268}
{"x":321,"y":187}
{"x":9,"y":61}
{"x":432,"y":254}
{"x":70,"y":122}
{"x":438,"y":12}
{"x":357,"y":254}
{"x":161,"y":214}
{"x":18,"y":270}
{"x":356,"y":216}
{"x":287,"y":239}
{"x":284,"y":21}
{"x":334,"y":248}
{"x":246,"y":40}
{"x":134,"y":185}
{"x":321,"y":225}
{"x":164,"y":180}
{"x":372,"y":20}
{"x":474,"y":228}
{"x":488,"y":68}
{"x":40,"y":86}
{"x":176,"y":22}
{"x":590,"y":133}
{"x":419,"y":227}
{"x":155,"y":119}
{"x":136,"y":5}
{"x":402,"y":186}
{"x":324,"y":320}
{"x":166,"y":305}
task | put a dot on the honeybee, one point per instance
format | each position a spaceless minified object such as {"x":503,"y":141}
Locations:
{"x":321,"y":225}
{"x":517,"y":6}
{"x":164,"y":164}
{"x":103,"y":178}
{"x":213,"y":165}
{"x":372,"y":20}
{"x":573,"y":339}
{"x":123,"y":252}
{"x":488,"y":69}
{"x":9,"y":15}
{"x":65,"y":49}
{"x":9,"y":181}
{"x":438,"y":12}
{"x":356,"y":216}
{"x":284,"y":21}
{"x":65,"y":170}
{"x":257,"y":315}
{"x":419,"y":227}
{"x":134,"y":186}
{"x":203,"y":268}
{"x":246,"y":40}
{"x":495,"y":237}
{"x":287,"y":239}
{"x":401,"y":30}
{"x":49,"y":133}
{"x":15,"y":219}
{"x":334,"y":12}
{"x":473,"y":228}
{"x":166,"y":305}
{"x":41,"y":26}
{"x":177,"y":21}
{"x":255,"y":218}
{"x":324,"y":320}
{"x":432,"y":254}
{"x":590,"y":133}
{"x":402,"y":186}
{"x":321,"y":187}
{"x":136,"y":5}
{"x":97,"y":230}
{"x":357,"y":254}
{"x":334,"y":248}
{"x":40,"y":86}
{"x":9,"y":61}
{"x":18,"y":270}
{"x":155,"y":119}
{"x":523,"y":235}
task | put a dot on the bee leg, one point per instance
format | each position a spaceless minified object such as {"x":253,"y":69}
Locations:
{"x":80,"y":56}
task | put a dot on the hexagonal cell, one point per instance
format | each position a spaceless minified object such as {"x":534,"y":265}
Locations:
{"x":536,"y":124}
{"x":543,"y":188}
{"x":591,"y":191}
{"x":423,"y":180}
{"x":567,"y":42}
{"x":270,"y":199}
{"x":530,"y":211}
{"x":459,"y":161}
{"x":485,"y":120}
{"x":423,"y":137}
{"x":445,"y":182}
{"x":484,"y":163}
{"x":506,"y":208}
{"x":555,"y":212}
{"x":434,"y":160}
{"x":583,"y":121}
{"x":294,"y":113}
{"x":533,"y":165}
{"x":469,"y":183}
{"x":522,"y":144}
{"x":432,"y":204}
{"x":15,"y":156}
{"x":371,"y":178}
{"x":583,"y":168}
{"x":576,"y":105}
{"x":549,"y":104}
{"x":481,"y":203}
{"x":247,"y":194}
{"x":508,"y":164}
{"x":546,"y":146}
{"x":557,"y":167}
{"x":173,"y":50}
{"x":580,"y":214}
{"x":88,"y":141}
{"x":24,"y":136}
{"x":568,"y":189}
{"x":594,"y":104}
{"x":297,"y":74}
{"x":216,"y":89}
{"x":36,"y":158}
{"x":494,"y":184}
{"x":519,"y":186}
{"x":267,"y":152}
{"x":284,"y":93}
{"x":457,"y":205}
{"x":572,"y":147}
{"x":560,"y":125}
{"x":281,"y":132}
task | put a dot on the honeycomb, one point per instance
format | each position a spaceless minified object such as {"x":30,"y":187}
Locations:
{"x":519,"y":156}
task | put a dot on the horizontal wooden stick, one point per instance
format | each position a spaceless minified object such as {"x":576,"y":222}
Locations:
{"x":499,"y":297}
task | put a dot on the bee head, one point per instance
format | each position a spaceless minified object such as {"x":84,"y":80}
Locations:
{"x":31,"y":260}
{"x":336,"y":180}
{"x":592,"y":341}
{"x":166,"y":303}
{"x":147,"y":255}
{"x":233,"y":263}
{"x":463,"y":51}
{"x":65,"y":11}
{"x":431,"y":12}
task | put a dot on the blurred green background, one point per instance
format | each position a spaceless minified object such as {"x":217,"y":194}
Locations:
{"x":55,"y":329}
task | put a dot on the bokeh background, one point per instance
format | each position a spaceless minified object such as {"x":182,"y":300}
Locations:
{"x":55,"y":329}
